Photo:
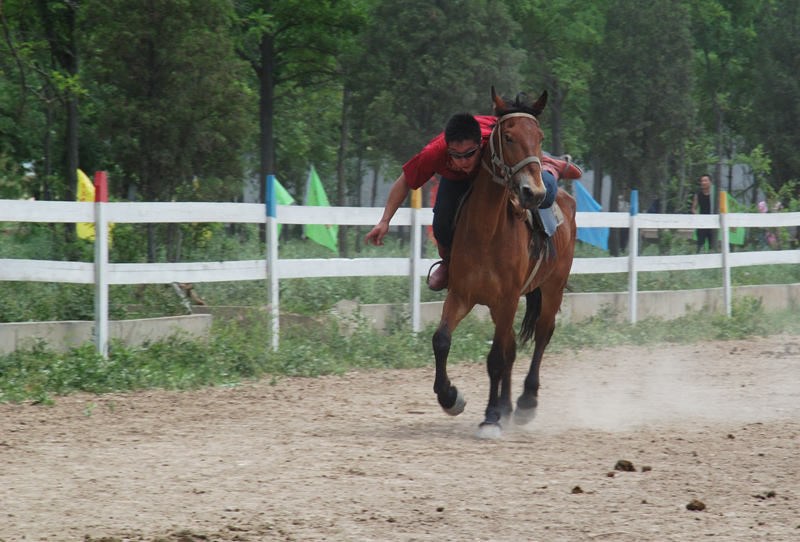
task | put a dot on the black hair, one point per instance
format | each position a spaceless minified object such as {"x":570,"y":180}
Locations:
{"x":462,"y":127}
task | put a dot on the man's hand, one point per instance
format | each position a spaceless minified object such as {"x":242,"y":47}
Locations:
{"x":375,"y":235}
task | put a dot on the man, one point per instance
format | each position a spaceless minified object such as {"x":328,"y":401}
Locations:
{"x":454,"y":155}
{"x":701,"y":204}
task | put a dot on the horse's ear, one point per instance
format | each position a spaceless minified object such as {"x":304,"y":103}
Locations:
{"x":499,"y":104}
{"x":538,"y":106}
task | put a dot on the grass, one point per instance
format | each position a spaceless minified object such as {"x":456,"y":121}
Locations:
{"x":238,"y":351}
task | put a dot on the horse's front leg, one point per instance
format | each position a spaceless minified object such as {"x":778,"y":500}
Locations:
{"x":450,"y":399}
{"x":499,"y":364}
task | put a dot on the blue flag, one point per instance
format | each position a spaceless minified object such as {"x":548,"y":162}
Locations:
{"x":586,"y":203}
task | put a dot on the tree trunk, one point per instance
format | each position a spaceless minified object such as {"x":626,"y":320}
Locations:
{"x":681,"y":176}
{"x":556,"y":103}
{"x":718,"y":171}
{"x":597,"y":189}
{"x":340,"y":169}
{"x":613,"y":207}
{"x":151,"y":243}
{"x":359,"y":178}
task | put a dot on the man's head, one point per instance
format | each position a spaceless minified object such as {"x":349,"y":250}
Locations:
{"x":462,"y":134}
{"x":705,"y":181}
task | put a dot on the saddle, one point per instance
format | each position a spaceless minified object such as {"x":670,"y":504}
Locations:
{"x":544,"y":223}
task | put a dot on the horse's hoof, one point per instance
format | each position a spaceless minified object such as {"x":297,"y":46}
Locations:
{"x":458,"y":406}
{"x":524,"y":416}
{"x":489,"y":431}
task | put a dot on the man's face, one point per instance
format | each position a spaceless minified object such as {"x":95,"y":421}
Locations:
{"x":705,"y":182}
{"x":465,"y":155}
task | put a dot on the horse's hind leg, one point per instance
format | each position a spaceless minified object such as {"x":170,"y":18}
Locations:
{"x":450,"y":399}
{"x":543,"y":331}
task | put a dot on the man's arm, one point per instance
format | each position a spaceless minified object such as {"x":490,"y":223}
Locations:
{"x":397,"y":195}
{"x":694,"y":205}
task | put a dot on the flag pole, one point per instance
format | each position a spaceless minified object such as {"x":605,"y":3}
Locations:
{"x":101,"y":263}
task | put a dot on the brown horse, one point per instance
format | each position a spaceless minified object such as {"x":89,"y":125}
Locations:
{"x":496,"y":258}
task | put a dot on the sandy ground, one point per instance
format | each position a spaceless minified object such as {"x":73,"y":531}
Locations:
{"x":371,"y":457}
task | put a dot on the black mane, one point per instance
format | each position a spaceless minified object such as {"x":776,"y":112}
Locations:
{"x":522,"y":103}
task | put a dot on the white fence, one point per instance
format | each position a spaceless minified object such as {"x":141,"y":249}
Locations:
{"x":102,"y":274}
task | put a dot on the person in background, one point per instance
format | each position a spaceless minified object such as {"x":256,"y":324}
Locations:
{"x":701,"y":204}
{"x":455,"y":155}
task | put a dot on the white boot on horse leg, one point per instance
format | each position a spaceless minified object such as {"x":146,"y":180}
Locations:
{"x":489,"y":431}
{"x":458,"y":406}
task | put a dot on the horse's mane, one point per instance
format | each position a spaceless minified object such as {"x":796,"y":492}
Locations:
{"x":522,"y":103}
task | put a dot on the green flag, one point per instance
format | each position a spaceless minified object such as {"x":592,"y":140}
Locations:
{"x":325,"y":235}
{"x":736,"y":235}
{"x":282,"y":197}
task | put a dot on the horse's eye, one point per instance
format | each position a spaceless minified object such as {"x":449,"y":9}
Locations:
{"x":507,"y":138}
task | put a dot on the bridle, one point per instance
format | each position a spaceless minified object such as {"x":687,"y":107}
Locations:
{"x":497,"y":157}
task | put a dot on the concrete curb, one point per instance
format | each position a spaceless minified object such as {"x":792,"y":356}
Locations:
{"x":61,"y":336}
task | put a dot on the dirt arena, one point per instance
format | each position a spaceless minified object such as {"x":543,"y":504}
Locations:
{"x":369,"y":456}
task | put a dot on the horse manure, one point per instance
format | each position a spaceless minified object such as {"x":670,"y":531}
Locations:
{"x":576,"y":490}
{"x":696,"y":506}
{"x":647,"y":468}
{"x":624,"y":465}
{"x":766,"y":495}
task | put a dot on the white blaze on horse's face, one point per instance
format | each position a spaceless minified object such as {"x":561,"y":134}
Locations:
{"x":520,"y":141}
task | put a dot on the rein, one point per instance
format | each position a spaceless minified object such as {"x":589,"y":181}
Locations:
{"x":497,"y":157}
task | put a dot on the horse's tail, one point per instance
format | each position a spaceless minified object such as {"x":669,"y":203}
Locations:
{"x":533,"y":309}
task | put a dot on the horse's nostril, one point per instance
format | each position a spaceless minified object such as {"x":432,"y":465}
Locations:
{"x":530,"y":198}
{"x":526,"y":193}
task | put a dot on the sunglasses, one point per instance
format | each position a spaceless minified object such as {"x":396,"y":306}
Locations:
{"x":468,"y":154}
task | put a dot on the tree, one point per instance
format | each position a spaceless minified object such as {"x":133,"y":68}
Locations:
{"x":722,"y":31}
{"x":171,"y":103}
{"x":640,"y":93}
{"x":558,"y":38}
{"x":41,"y":43}
{"x":641,"y":106}
{"x":425,"y":60}
{"x":291,"y":43}
{"x":775,"y":116}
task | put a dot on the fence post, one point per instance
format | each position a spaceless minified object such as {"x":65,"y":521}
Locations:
{"x":726,"y":239}
{"x":101,"y":263}
{"x":633,"y":252}
{"x":416,"y":254}
{"x":272,"y":260}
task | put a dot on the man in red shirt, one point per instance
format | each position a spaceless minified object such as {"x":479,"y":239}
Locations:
{"x":455,"y":156}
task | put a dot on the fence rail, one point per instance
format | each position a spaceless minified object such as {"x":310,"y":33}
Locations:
{"x":101,"y":273}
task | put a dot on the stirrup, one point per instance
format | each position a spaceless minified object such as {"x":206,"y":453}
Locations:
{"x":430,"y":271}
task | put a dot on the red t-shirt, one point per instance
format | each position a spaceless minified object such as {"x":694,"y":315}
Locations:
{"x":435,"y":160}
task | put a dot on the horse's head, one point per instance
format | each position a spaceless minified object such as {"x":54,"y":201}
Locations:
{"x":516,"y":147}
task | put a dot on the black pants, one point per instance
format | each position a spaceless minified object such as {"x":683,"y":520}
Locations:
{"x":702,"y":236}
{"x":448,"y":196}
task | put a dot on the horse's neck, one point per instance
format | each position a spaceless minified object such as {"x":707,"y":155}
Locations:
{"x":489,"y":205}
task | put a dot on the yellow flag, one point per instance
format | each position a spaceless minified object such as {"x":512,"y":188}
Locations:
{"x":85,"y":230}
{"x":85,"y":192}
